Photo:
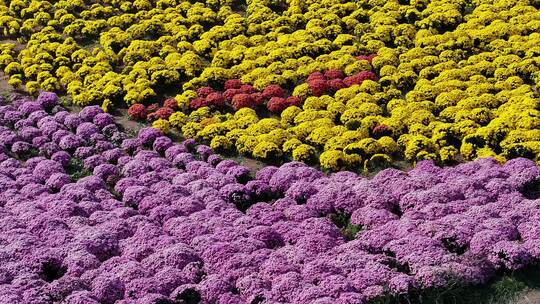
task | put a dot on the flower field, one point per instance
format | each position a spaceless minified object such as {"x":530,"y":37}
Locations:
{"x":92,"y":215}
{"x":269,"y":151}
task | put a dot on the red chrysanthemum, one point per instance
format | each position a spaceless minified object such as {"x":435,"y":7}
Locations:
{"x":316,"y":76}
{"x":293,"y":101}
{"x":198,"y":102}
{"x":215,"y":99}
{"x":171,"y":103}
{"x":137,"y":111}
{"x":366,"y":57}
{"x":318,"y":87}
{"x":229,"y":94}
{"x":162,"y":113}
{"x":247,"y":89}
{"x":359,"y":78}
{"x":242,"y":101}
{"x":152,"y":108}
{"x":334,"y":74}
{"x":277,"y":104}
{"x":258,"y":98}
{"x":233,"y":84}
{"x":273,"y":90}
{"x":336,"y":84}
{"x":204,"y":91}
{"x":368,"y":75}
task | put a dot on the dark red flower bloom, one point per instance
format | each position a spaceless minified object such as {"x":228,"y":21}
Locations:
{"x":318,"y":87}
{"x":198,"y":102}
{"x":204,"y":91}
{"x":171,"y":103}
{"x":336,"y":84}
{"x":152,"y":108}
{"x":258,"y":98}
{"x":233,"y":84}
{"x":273,"y":90}
{"x":334,"y":74}
{"x":162,"y":113}
{"x":366,"y":57}
{"x":248,"y":89}
{"x":242,"y":101}
{"x":277,"y":104}
{"x":293,"y":101}
{"x":215,"y":99}
{"x":316,"y":76}
{"x":137,"y":111}
{"x":229,"y":94}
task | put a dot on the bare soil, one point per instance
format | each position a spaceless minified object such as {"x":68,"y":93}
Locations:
{"x":5,"y":88}
{"x":529,"y":297}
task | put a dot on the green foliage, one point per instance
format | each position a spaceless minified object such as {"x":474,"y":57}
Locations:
{"x":343,"y":221}
{"x":75,"y":169}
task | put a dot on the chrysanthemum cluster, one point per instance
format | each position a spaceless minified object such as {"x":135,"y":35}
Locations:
{"x":450,"y":79}
{"x":157,"y":222}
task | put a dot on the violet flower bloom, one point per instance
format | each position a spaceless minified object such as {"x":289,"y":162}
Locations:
{"x":84,"y":152}
{"x":36,"y":116}
{"x":8,"y":138}
{"x":148,"y":135}
{"x":214,"y":159}
{"x":57,"y":180}
{"x":29,"y":107}
{"x":130,"y":145}
{"x":103,"y":119}
{"x":105,"y":170}
{"x":21,"y":147}
{"x":72,"y":121}
{"x":161,"y":144}
{"x":47,"y":100}
{"x":204,"y":151}
{"x":57,"y":136}
{"x":93,"y":161}
{"x":48,"y":149}
{"x":49,"y":128}
{"x":113,"y":155}
{"x":28,"y":133}
{"x":88,"y":113}
{"x":87,"y":129}
{"x":173,"y":151}
{"x":61,"y":157}
{"x":46,"y":168}
{"x":11,"y":117}
{"x":71,"y":142}
{"x":189,"y":144}
{"x":212,"y":233}
{"x":23,"y":123}
{"x":182,"y":159}
{"x":58,"y":117}
{"x":39,"y":141}
{"x":117,"y":137}
{"x":109,"y":130}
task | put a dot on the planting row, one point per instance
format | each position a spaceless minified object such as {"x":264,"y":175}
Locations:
{"x":88,"y":215}
{"x":350,"y":129}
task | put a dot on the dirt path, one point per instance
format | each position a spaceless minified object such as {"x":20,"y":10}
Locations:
{"x":530,"y":297}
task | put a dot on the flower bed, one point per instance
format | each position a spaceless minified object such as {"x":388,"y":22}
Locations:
{"x":455,"y":79}
{"x":89,"y":215}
